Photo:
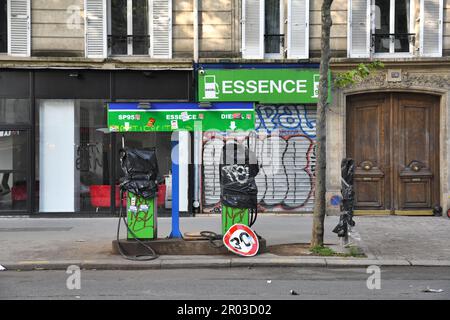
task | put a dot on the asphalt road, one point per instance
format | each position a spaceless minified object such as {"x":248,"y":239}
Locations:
{"x":236,"y":284}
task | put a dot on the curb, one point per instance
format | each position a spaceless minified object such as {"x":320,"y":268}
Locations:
{"x":166,"y":264}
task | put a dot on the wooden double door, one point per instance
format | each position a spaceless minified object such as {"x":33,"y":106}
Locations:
{"x":394,"y":140}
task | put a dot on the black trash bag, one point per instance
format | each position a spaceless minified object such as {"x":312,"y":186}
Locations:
{"x":348,"y":198}
{"x":238,"y":169}
{"x":140,"y":167}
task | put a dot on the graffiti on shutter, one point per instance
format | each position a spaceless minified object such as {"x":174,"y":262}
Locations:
{"x":286,"y":178}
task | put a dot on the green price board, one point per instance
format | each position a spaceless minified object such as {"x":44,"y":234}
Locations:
{"x":136,"y":117}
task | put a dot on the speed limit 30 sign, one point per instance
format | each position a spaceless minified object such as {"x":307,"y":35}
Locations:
{"x":241,"y":240}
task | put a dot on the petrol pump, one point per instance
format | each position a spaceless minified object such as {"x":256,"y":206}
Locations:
{"x":141,"y":168}
{"x":238,"y":190}
{"x":140,"y":185}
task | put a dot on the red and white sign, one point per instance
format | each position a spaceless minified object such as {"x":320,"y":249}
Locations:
{"x":241,"y":240}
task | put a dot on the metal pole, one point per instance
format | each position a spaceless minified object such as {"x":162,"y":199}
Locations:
{"x":175,"y":188}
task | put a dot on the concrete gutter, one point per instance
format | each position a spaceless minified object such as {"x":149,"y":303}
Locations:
{"x":196,"y":262}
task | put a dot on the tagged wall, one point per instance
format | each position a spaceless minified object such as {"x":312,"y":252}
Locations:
{"x":285,"y":152}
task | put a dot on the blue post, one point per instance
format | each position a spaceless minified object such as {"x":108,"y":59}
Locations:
{"x":175,"y":190}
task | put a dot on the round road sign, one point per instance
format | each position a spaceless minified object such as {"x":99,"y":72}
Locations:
{"x":241,"y":240}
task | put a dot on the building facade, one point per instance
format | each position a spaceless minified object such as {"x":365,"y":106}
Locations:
{"x":62,"y":61}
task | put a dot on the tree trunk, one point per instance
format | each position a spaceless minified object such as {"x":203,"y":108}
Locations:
{"x":321,"y":161}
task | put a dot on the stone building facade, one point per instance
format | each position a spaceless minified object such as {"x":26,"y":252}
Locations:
{"x":79,"y":54}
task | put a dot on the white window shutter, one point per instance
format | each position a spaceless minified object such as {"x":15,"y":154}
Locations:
{"x":253,"y":29}
{"x":359,"y":29}
{"x":19,"y":28}
{"x":161,"y":29}
{"x":95,"y":28}
{"x":298,"y":29}
{"x":431,"y":25}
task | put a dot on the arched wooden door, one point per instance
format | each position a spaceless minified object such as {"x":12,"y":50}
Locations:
{"x":394,"y":140}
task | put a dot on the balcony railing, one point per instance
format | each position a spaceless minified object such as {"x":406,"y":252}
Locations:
{"x":273,"y":43}
{"x":128,"y":44}
{"x":381,"y":42}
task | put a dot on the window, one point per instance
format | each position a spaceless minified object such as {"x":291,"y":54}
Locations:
{"x":392,"y":23}
{"x":14,"y":174}
{"x":15,"y":27}
{"x":264,"y":34}
{"x":273,"y":37}
{"x":395,"y":28}
{"x":3,"y":27}
{"x":129,"y":27}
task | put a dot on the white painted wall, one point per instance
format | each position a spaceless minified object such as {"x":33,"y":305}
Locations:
{"x":57,"y":156}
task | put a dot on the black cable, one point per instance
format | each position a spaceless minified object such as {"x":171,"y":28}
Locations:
{"x":143,"y":257}
{"x":213,"y":238}
{"x":253,"y":216}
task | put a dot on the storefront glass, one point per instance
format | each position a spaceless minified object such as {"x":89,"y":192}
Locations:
{"x":14,"y":156}
{"x":73,"y":156}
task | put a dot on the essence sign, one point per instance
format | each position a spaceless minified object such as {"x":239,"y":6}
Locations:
{"x":259,"y":85}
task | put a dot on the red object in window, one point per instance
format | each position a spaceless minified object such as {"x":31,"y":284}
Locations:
{"x":101,"y":196}
{"x":161,"y":195}
{"x":19,"y":192}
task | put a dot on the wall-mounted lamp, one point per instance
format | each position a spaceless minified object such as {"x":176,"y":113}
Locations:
{"x":205,"y":104}
{"x":144,"y":105}
{"x":74,"y":75}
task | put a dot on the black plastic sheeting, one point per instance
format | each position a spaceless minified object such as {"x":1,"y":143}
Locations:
{"x":140,"y":167}
{"x":348,"y":198}
{"x":238,"y":169}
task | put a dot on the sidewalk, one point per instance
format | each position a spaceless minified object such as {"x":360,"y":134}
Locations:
{"x":30,"y":243}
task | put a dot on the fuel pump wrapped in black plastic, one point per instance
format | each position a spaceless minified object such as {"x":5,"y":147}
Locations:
{"x":348,"y":198}
{"x":238,"y":169}
{"x":140,"y":167}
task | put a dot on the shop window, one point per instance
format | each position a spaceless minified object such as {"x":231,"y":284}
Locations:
{"x":14,"y":173}
{"x":73,"y":156}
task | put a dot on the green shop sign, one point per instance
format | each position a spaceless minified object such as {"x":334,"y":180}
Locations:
{"x":153,"y":117}
{"x":259,"y":85}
